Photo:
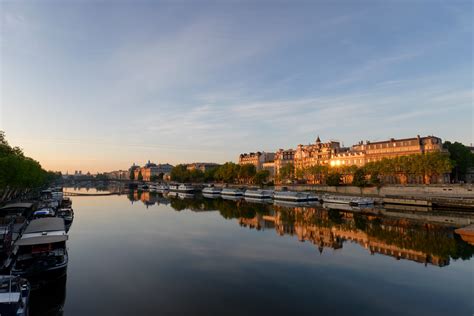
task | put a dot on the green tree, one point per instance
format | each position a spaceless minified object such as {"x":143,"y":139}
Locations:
{"x":261,"y":177}
{"x":462,"y":157}
{"x":18,"y":171}
{"x":228,"y":172}
{"x":359,"y":179}
{"x":209,"y":174}
{"x":180,"y":173}
{"x":334,"y":179}
{"x":246,"y":173}
{"x":140,"y":176}
{"x":287,"y":172}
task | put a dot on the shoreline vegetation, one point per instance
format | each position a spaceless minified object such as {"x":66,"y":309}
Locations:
{"x":413,"y":169}
{"x":20,"y":175}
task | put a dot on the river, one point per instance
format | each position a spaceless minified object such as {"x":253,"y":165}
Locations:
{"x":145,"y":254}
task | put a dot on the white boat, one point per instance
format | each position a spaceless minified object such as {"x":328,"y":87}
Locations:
{"x":211,"y":190}
{"x":292,"y":196}
{"x":186,"y":188}
{"x":232,"y":192}
{"x":210,"y":196}
{"x":351,"y":200}
{"x":258,"y":200}
{"x":232,"y":197}
{"x":162,"y":188}
{"x":173,"y":187}
{"x":152,"y":187}
{"x":258,"y":194}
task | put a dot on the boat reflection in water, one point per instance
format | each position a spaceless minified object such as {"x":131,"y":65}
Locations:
{"x":426,"y":237}
{"x":49,"y":299}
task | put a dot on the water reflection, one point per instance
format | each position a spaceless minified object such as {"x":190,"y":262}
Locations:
{"x":327,"y":227}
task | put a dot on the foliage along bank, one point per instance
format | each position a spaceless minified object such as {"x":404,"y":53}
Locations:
{"x":19,"y":173}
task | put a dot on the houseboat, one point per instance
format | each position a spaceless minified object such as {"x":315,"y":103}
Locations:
{"x":186,"y":188}
{"x":42,"y":249}
{"x":173,"y":187}
{"x":258,"y":194}
{"x":24,"y":209}
{"x":211,"y":190}
{"x":14,"y":295}
{"x":292,"y":196}
{"x":351,"y":200}
{"x":232,"y":192}
{"x":66,"y":202}
{"x":67,"y":214}
{"x":162,"y":188}
{"x":13,"y":221}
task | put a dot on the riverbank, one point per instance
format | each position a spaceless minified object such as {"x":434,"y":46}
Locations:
{"x":443,"y":196}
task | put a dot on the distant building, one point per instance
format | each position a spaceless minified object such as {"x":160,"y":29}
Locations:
{"x":375,"y":151}
{"x":151,"y":170}
{"x":315,"y":154}
{"x":257,"y":159}
{"x":203,"y":166}
{"x":283,"y":158}
{"x":270,"y":167}
{"x":332,"y":154}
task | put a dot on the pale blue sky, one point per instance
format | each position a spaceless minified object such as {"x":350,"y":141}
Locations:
{"x":97,"y":85}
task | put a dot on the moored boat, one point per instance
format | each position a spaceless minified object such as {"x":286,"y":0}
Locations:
{"x":186,"y":188}
{"x":162,"y":188}
{"x":66,"y":202}
{"x":292,"y":196}
{"x":14,"y":295}
{"x":232,"y":192}
{"x":351,"y":200}
{"x":67,"y":214}
{"x":258,"y":194}
{"x":42,"y":249}
{"x":173,"y":187}
{"x":211,"y":190}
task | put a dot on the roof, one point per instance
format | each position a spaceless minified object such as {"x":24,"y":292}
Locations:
{"x":17,"y":205}
{"x":44,"y":225}
{"x":38,"y":240}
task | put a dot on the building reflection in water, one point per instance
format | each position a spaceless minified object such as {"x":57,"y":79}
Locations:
{"x":398,"y":237}
{"x":49,"y":299}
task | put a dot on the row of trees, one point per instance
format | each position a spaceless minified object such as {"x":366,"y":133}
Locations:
{"x":19,"y":172}
{"x":426,"y":168}
{"x":226,"y":173}
{"x":463,"y":158}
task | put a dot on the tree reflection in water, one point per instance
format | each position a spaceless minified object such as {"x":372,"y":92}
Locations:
{"x":409,"y":239}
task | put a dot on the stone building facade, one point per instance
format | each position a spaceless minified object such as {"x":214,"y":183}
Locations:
{"x":332,"y":154}
{"x":315,"y":154}
{"x":151,"y":169}
{"x":282,"y":158}
{"x":257,"y":159}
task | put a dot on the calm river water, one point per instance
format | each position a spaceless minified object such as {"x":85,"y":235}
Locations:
{"x":145,"y":254}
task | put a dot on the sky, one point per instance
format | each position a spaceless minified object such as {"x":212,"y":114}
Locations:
{"x":99,"y":85}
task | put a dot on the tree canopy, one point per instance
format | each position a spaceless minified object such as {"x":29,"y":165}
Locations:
{"x":18,"y":171}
